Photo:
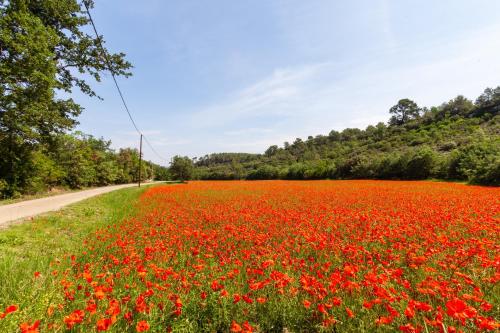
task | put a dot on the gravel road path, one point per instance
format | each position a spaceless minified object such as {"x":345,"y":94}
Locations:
{"x":29,"y":208}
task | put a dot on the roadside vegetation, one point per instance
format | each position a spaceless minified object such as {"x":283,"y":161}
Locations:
{"x":32,"y":254}
{"x":45,"y":53}
{"x":77,"y":161}
{"x":458,"y":140}
{"x":52,"y":192}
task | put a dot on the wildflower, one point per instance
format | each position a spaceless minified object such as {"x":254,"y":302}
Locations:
{"x":142,"y":326}
{"x":103,"y":324}
{"x":458,"y":309}
{"x":74,"y":318}
{"x":235,"y":327}
{"x":27,"y":328}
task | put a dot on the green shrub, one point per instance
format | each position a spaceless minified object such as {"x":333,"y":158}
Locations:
{"x":421,"y":164}
{"x":264,"y":172}
{"x":480,"y":162}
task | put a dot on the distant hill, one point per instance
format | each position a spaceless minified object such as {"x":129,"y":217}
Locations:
{"x":458,"y":140}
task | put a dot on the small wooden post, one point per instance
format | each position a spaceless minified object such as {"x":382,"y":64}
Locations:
{"x":140,"y":161}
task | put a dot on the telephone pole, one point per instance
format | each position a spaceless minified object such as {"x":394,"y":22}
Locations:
{"x":140,"y":161}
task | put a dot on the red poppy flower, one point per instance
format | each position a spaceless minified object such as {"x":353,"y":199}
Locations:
{"x":30,"y":328}
{"x":142,"y":326}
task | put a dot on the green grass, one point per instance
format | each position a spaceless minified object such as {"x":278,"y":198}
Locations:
{"x":38,"y":246}
{"x":26,"y":197}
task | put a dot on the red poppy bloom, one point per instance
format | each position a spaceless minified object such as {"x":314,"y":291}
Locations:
{"x":142,"y":326}
{"x":30,"y":328}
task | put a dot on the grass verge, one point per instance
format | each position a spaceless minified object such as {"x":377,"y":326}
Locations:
{"x":26,"y":197}
{"x":36,"y":248}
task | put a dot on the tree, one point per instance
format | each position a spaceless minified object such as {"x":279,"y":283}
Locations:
{"x":334,"y":135}
{"x":272,"y":150}
{"x":264,"y":172}
{"x":26,"y":79}
{"x":181,"y":168}
{"x":459,"y":106}
{"x":480,"y":161}
{"x":489,"y":101}
{"x":128,"y":159}
{"x":404,"y":111}
{"x":421,"y":163}
{"x":160,"y":172}
{"x":237,"y":170}
{"x":42,"y":47}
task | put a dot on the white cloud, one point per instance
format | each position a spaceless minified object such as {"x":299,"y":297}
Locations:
{"x":318,"y":96}
{"x":274,"y":95}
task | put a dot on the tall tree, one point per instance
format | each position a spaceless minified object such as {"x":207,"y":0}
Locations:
{"x":489,"y":101}
{"x":404,"y":111}
{"x":181,"y":168}
{"x":457,"y":106}
{"x":43,"y":50}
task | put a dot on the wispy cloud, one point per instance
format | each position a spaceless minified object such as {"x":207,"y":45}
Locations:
{"x":272,"y":96}
{"x":318,"y":97}
{"x":220,"y":82}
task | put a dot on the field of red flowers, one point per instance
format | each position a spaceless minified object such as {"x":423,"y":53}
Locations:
{"x":284,"y":256}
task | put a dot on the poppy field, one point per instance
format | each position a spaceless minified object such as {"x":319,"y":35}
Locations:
{"x":283,"y":256}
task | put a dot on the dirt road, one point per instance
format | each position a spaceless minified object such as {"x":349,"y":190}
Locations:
{"x":26,"y":209}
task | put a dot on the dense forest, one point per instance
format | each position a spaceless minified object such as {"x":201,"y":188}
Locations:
{"x":45,"y":53}
{"x":458,"y":140}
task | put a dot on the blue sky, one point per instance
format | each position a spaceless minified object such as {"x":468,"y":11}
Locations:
{"x":239,"y":76}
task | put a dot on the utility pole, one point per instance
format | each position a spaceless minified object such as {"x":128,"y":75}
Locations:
{"x":140,"y":161}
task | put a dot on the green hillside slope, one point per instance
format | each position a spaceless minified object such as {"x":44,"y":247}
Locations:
{"x":458,"y":140}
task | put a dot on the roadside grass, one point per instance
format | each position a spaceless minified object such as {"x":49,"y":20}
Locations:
{"x":56,"y":191}
{"x":43,"y":247}
{"x":53,"y":192}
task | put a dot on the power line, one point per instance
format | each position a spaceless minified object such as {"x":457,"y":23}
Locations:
{"x":151,"y":147}
{"x":110,"y":68}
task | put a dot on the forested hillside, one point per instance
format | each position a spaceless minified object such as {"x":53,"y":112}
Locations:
{"x":458,"y":140}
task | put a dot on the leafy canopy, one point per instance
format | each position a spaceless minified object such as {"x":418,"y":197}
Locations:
{"x":44,"y":54}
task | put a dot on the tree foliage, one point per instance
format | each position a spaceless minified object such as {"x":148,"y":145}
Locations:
{"x":181,"y":168}
{"x":42,"y":49}
{"x":404,"y":111}
{"x":45,"y":53}
{"x":78,"y":160}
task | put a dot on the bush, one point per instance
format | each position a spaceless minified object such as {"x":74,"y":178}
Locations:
{"x":488,"y":172}
{"x":421,"y":164}
{"x":391,"y":166}
{"x":3,"y":188}
{"x":448,"y":146}
{"x":296,"y":171}
{"x":264,"y":172}
{"x":480,"y":162}
{"x":45,"y":173}
{"x":365,"y":168}
{"x":181,"y":168}
{"x":319,"y":169}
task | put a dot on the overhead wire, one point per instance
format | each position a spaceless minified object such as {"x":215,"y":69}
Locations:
{"x":110,"y":68}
